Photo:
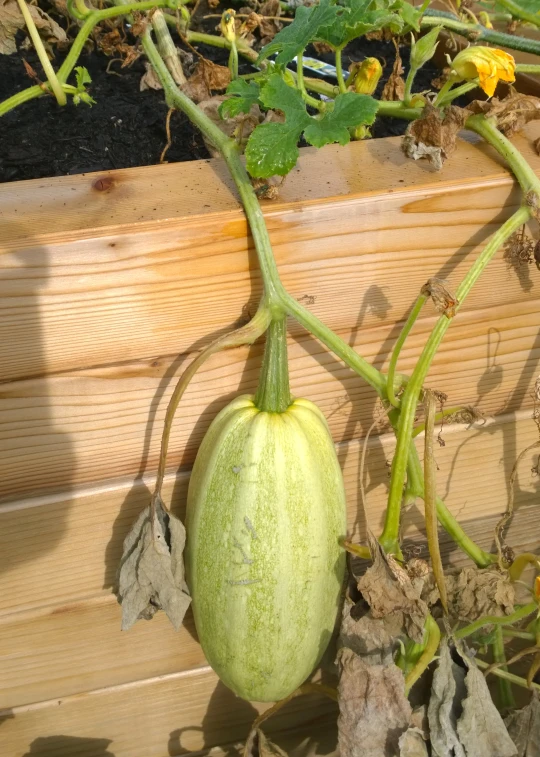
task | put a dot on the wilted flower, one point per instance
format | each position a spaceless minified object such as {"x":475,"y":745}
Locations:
{"x":365,"y":76}
{"x":228,"y":26}
{"x":489,"y":64}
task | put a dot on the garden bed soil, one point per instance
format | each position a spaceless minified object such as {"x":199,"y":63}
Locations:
{"x":126,"y":127}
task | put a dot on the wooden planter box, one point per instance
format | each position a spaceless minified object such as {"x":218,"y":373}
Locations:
{"x":110,"y":283}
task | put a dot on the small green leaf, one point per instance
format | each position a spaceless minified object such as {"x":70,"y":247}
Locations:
{"x":410,"y":15}
{"x":244,"y":96}
{"x":82,"y":77}
{"x":293,"y":38}
{"x":350,"y":110}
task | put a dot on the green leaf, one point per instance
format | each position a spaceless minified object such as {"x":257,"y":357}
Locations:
{"x":273,"y":148}
{"x":82,"y":77}
{"x":410,"y":15}
{"x":293,"y":38}
{"x":349,"y":110}
{"x":244,"y":96}
{"x":357,"y":18}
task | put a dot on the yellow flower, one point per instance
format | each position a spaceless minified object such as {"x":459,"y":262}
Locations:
{"x":489,"y":64}
{"x":365,"y":76}
{"x":228,"y":26}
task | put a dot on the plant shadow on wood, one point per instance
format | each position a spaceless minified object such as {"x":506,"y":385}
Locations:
{"x":25,"y":471}
{"x":228,"y":720}
{"x":69,"y":746}
{"x":139,"y":495}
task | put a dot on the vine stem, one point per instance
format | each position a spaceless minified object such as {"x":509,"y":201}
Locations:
{"x":277,"y":298}
{"x":479,"y":33}
{"x":497,"y":620}
{"x":430,"y":650}
{"x":507,"y":676}
{"x":244,"y":335}
{"x":518,"y":12}
{"x":339,"y":70}
{"x":404,"y":333}
{"x":430,"y":498}
{"x":94,"y":18}
{"x":42,"y":54}
{"x":499,"y":655}
{"x":409,"y":401}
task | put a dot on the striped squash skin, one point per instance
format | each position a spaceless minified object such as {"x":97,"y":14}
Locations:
{"x":266,"y":510}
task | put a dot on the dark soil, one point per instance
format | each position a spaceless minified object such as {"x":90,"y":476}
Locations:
{"x":126,"y":127}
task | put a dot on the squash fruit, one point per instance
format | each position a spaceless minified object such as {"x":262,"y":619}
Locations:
{"x":266,"y":511}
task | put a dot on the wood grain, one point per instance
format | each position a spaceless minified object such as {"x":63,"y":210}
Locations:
{"x":180,"y":713}
{"x":59,"y":550}
{"x":67,"y":649}
{"x":87,"y":426}
{"x":154,"y":193}
{"x":71,"y":299}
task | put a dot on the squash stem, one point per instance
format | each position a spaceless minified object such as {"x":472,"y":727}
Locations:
{"x":273,"y":393}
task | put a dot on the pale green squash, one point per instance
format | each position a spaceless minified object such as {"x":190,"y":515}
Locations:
{"x":266,"y":511}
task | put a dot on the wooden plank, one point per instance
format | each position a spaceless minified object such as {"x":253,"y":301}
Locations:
{"x":87,"y":426}
{"x":70,"y":299}
{"x":56,"y":651}
{"x":113,"y":198}
{"x":176,"y":714}
{"x":57,"y":551}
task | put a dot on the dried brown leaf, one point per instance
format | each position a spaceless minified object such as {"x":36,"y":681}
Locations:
{"x":481,"y":728}
{"x":412,"y":744}
{"x":447,"y":690}
{"x":258,"y":745}
{"x":474,"y":593}
{"x":269,"y":27}
{"x":443,"y":299}
{"x":524,"y":728}
{"x":151,"y":575}
{"x":512,"y":113}
{"x":239,"y":127}
{"x":388,"y":588}
{"x":434,"y":136}
{"x":11,"y":20}
{"x":463,"y":719}
{"x":373,"y":639}
{"x":207,"y":76}
{"x":394,"y":89}
{"x":373,"y":709}
{"x":149,"y":80}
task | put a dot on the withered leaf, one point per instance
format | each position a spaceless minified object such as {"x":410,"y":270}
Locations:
{"x":149,"y":80}
{"x":394,"y":89}
{"x":11,"y":20}
{"x":373,"y":639}
{"x":524,"y":728}
{"x":258,"y":745}
{"x":412,"y":744}
{"x":388,"y":588}
{"x":474,"y":593}
{"x":151,"y":575}
{"x":239,"y":127}
{"x":269,"y":27}
{"x":447,"y":690}
{"x":434,"y":136}
{"x":443,"y":299}
{"x":373,"y":708}
{"x":463,"y":719}
{"x":481,"y":728}
{"x":512,"y":113}
{"x":207,"y":76}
